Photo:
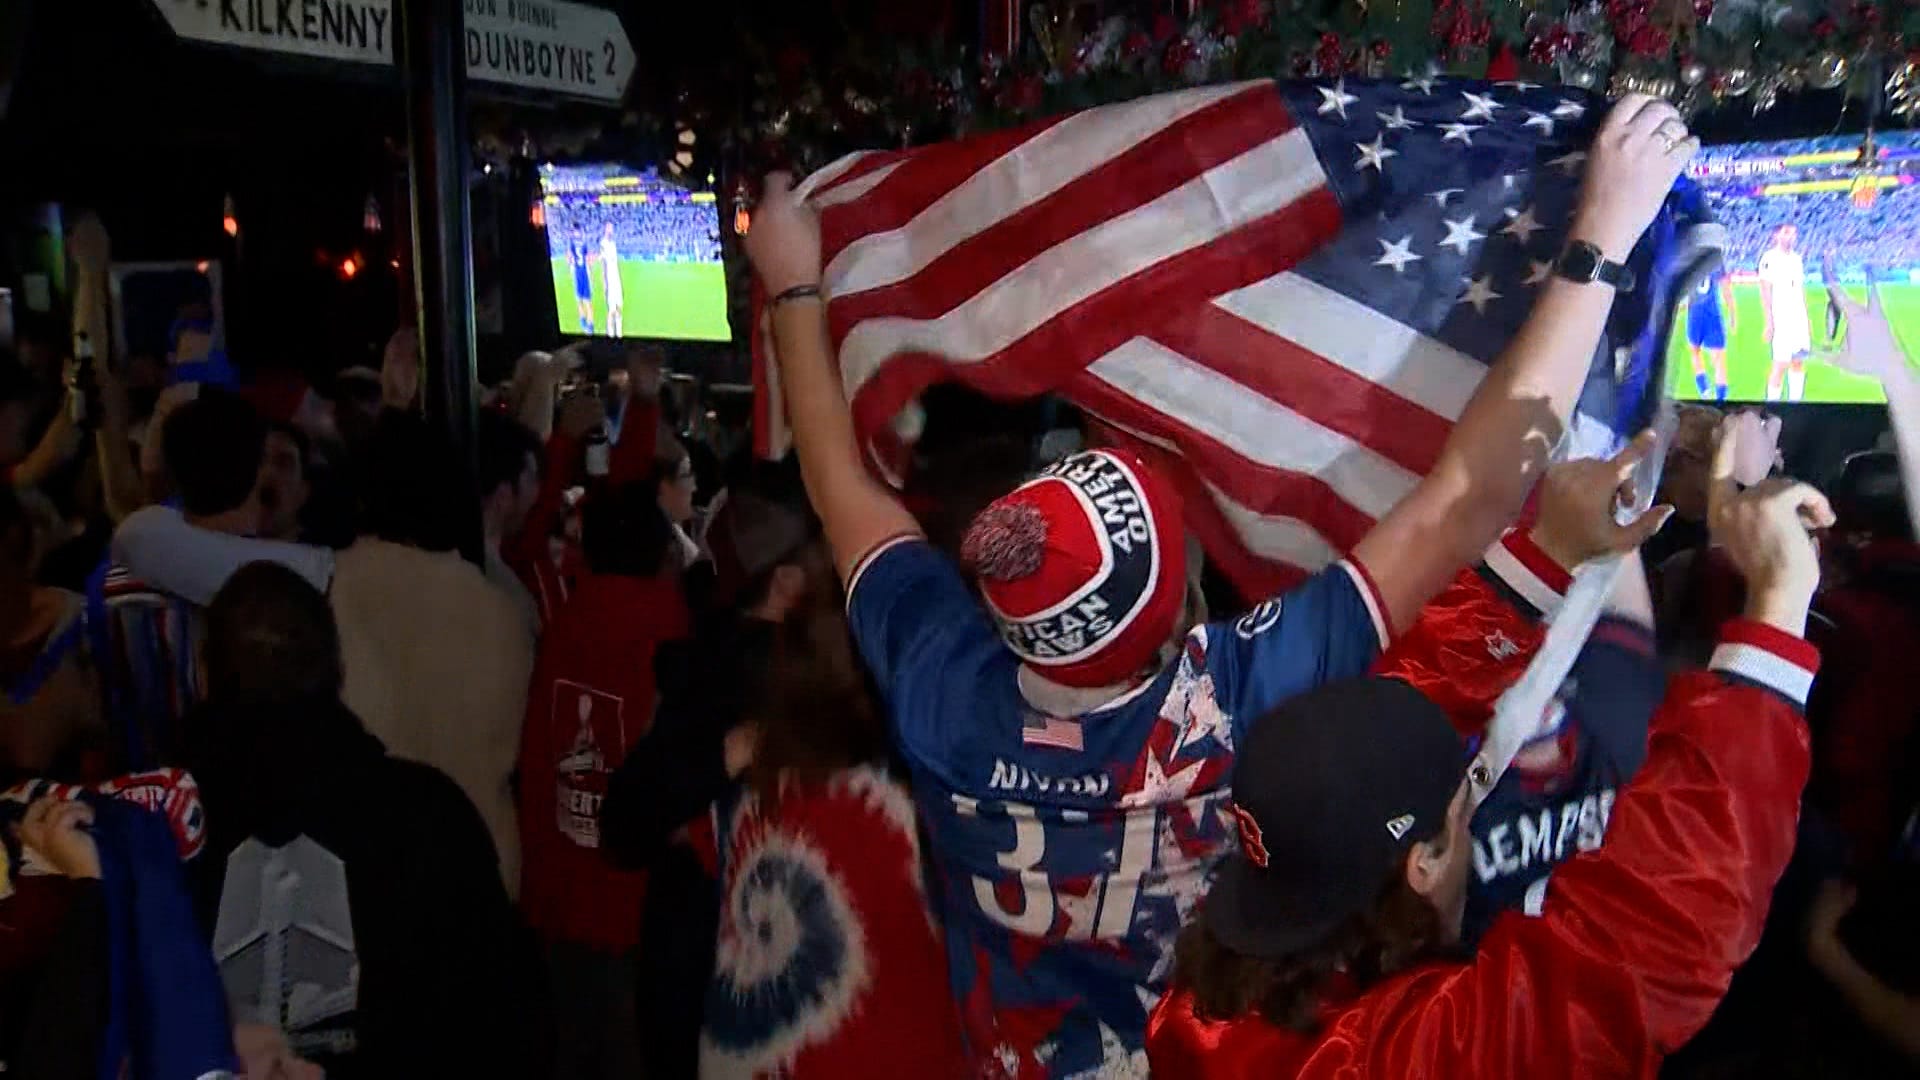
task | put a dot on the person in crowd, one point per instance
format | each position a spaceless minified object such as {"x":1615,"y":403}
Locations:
{"x":50,"y":718}
{"x":420,"y":950}
{"x":609,"y":256}
{"x":285,"y":481}
{"x":590,"y":705}
{"x":1043,"y":750}
{"x":53,"y":948}
{"x":1785,"y":326}
{"x":1890,"y":1013}
{"x":1476,"y":639}
{"x":1326,"y":946}
{"x":1866,"y":706}
{"x":510,"y":460}
{"x":454,"y":700}
{"x":674,"y":482}
{"x":829,"y":964}
{"x":708,"y":684}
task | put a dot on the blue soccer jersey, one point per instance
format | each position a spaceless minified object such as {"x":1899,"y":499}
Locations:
{"x":1068,"y":851}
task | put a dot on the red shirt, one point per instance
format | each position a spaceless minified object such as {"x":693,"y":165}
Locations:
{"x":592,"y":698}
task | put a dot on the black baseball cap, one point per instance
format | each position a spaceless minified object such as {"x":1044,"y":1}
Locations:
{"x":1330,"y":791}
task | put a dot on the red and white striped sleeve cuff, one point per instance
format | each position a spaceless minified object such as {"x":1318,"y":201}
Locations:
{"x":1370,"y":596}
{"x":1767,"y":656}
{"x":1531,"y":573}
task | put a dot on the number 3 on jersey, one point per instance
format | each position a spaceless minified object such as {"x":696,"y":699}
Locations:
{"x":1104,"y":910}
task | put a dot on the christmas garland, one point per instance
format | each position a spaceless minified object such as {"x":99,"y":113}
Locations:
{"x":1702,"y":54}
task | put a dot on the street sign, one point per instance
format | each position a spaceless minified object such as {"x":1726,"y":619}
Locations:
{"x":549,"y":45}
{"x":360,"y":31}
{"x":541,"y":45}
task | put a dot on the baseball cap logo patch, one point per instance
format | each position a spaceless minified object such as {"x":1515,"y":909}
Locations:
{"x":1400,"y":826}
{"x":1251,"y":842}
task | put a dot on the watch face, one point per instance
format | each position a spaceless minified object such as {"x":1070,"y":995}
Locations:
{"x":1581,"y":262}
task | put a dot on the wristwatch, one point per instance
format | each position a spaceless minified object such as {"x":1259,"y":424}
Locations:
{"x":1582,"y":262}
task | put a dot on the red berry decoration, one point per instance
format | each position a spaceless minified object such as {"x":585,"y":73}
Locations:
{"x":1381,"y":50}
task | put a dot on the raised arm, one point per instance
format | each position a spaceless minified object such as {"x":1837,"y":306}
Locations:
{"x":1871,"y":349}
{"x":120,"y":480}
{"x":857,"y":511}
{"x":1500,"y":446}
{"x":1640,"y":938}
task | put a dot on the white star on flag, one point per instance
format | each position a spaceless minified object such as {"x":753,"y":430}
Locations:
{"x":1523,"y":225}
{"x":1480,"y":293}
{"x":1395,"y":120}
{"x":1440,"y":197}
{"x":1461,"y":233}
{"x":1462,"y":132}
{"x":1569,"y":162}
{"x":1479,"y":106}
{"x":1424,"y":84}
{"x":1569,"y":109}
{"x":1540,"y":120}
{"x":1397,"y":254}
{"x":1539,"y":273}
{"x":1518,"y":84}
{"x":1335,"y":99}
{"x":1374,"y":155}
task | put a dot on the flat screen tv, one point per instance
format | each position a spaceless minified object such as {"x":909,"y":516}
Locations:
{"x":633,"y":255}
{"x":1761,"y":329}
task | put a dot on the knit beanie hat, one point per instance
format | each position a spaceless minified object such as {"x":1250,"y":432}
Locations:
{"x":1083,"y":567}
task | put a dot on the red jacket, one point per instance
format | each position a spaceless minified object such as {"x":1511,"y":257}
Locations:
{"x":591,"y":698}
{"x":1637,"y":942}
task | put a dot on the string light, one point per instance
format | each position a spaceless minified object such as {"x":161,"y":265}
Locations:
{"x":349,"y":266}
{"x":228,"y":219}
{"x":538,"y":216}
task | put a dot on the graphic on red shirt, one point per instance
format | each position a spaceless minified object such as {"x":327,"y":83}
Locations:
{"x":590,"y":725}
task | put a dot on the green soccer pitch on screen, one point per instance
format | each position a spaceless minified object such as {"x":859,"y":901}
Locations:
{"x":1761,"y":328}
{"x":633,"y":255}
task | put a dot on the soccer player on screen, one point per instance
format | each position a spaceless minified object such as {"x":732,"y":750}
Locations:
{"x":580,"y":254}
{"x":1783,"y":302}
{"x":1707,"y":330}
{"x":610,"y":267}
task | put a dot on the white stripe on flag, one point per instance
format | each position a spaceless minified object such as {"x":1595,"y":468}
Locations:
{"x":830,"y":172}
{"x":1346,"y":332}
{"x":854,"y":189}
{"x":1252,"y":424}
{"x":1030,"y":172}
{"x":1260,"y":182}
{"x":1274,"y":537}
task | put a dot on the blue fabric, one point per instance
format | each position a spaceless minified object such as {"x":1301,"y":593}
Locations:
{"x":1069,"y":850}
{"x":215,"y":370}
{"x":1554,"y":803}
{"x":167,"y":1017}
{"x":1705,"y":328}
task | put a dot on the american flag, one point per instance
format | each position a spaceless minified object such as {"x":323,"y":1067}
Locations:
{"x":1285,"y":293}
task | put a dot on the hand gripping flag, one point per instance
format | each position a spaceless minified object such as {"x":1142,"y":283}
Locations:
{"x":1284,"y":293}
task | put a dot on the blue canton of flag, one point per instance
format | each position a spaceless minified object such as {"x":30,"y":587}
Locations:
{"x":1457,"y":197}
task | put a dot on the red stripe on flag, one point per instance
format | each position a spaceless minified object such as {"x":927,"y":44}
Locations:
{"x":1078,"y":335}
{"x":921,"y":180}
{"x":1173,"y":156}
{"x":1253,"y":577}
{"x":1309,"y":384}
{"x":1260,"y":488}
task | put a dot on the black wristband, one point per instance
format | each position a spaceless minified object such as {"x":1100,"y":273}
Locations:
{"x":798,"y":292}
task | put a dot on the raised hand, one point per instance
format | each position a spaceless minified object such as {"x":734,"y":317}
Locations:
{"x":1577,"y":520}
{"x":1870,"y":348}
{"x":784,"y":242}
{"x":1635,"y":158}
{"x":1765,"y":531}
{"x":55,"y":829}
